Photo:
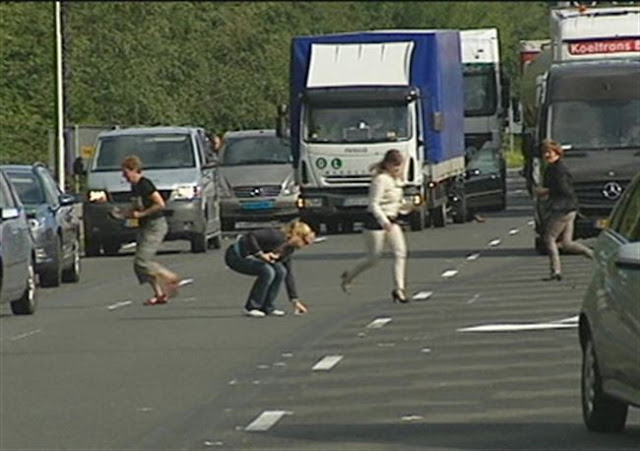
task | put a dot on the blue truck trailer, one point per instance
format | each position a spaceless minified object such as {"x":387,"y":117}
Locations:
{"x":353,"y":96}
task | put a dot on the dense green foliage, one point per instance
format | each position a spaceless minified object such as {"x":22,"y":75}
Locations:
{"x":220,"y":65}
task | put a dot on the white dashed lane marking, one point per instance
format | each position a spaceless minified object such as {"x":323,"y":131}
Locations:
{"x":327,"y":362}
{"x":471,"y":257}
{"x":422,"y":295}
{"x":24,"y":335}
{"x":119,"y":304}
{"x":378,"y":323}
{"x":266,"y":420}
{"x":494,"y":243}
{"x":449,"y":273}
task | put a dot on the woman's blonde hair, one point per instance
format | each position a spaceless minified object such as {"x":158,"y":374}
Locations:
{"x":392,"y":158}
{"x":298,"y":229}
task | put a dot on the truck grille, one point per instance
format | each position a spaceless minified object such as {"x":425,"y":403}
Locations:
{"x":347,"y":179}
{"x":247,"y":192}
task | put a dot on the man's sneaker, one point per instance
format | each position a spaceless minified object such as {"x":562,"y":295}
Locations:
{"x":255,"y":313}
{"x":277,"y":313}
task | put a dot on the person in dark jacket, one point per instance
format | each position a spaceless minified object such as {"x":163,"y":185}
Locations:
{"x":266,"y":253}
{"x":562,"y":206}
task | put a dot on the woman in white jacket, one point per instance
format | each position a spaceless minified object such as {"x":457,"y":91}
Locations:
{"x":385,"y":203}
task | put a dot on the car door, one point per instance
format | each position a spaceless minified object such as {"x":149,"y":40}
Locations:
{"x":612,"y":330}
{"x":14,"y":247}
{"x":622,"y":287}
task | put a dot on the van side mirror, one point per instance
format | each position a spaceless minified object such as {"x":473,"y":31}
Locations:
{"x":628,"y":256}
{"x":9,"y":213}
{"x":282,"y":121}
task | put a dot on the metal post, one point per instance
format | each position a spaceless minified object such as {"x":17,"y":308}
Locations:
{"x":60,"y":99}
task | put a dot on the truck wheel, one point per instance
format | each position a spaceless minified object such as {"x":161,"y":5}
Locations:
{"x":417,"y":220}
{"x":198,"y":243}
{"x":72,"y":273}
{"x":438,"y":216}
{"x":600,"y":412}
{"x":460,"y":211}
{"x":53,"y":275}
{"x":26,"y":305}
{"x":228,"y":224}
{"x":216,"y":242}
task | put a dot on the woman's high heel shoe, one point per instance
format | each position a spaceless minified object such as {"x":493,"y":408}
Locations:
{"x":399,"y":296}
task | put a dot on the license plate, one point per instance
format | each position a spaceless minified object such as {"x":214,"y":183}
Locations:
{"x":258,"y":205}
{"x":131,"y":222}
{"x":356,"y":202}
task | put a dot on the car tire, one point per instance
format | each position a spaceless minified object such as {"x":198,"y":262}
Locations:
{"x":228,"y":225}
{"x":91,"y":247}
{"x":72,"y":273}
{"x":53,"y":275}
{"x":27,"y":303}
{"x":198,"y":243}
{"x":600,"y":412}
{"x":111,"y":248}
{"x":417,"y":221}
{"x":216,"y":242}
{"x":333,"y":226}
{"x":347,"y":226}
{"x":540,"y":245}
{"x":438,"y":216}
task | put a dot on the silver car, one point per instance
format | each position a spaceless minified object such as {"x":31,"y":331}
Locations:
{"x":257,"y":179}
{"x":17,"y":273}
{"x":177,"y":161}
{"x":610,"y":320}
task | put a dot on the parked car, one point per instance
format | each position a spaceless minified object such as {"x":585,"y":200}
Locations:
{"x":177,"y":160}
{"x":485,"y":181}
{"x":609,"y":327}
{"x":17,"y":273}
{"x":54,"y":222}
{"x":257,"y":179}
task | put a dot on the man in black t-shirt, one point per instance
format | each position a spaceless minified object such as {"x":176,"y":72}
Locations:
{"x":147,"y":211}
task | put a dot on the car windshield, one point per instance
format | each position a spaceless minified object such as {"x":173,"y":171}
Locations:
{"x":162,"y":151}
{"x":486,"y":160}
{"x":336,"y":124}
{"x":256,"y":150}
{"x":597,"y":124}
{"x":28,"y":187}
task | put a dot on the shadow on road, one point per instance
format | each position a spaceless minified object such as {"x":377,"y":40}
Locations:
{"x":464,"y":436}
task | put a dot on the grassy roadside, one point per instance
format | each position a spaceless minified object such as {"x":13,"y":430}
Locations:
{"x":514,"y":157}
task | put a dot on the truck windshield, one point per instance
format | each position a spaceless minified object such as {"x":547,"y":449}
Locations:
{"x":256,"y":150}
{"x":337,"y":124}
{"x":162,"y":151}
{"x":596,"y":124}
{"x":480,"y":96}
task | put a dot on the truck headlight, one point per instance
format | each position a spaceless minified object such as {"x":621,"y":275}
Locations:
{"x":97,"y":195}
{"x":303,"y":202}
{"x":185,"y":193}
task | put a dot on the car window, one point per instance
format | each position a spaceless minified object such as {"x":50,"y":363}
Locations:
{"x":160,"y":151}
{"x":28,"y":187}
{"x":256,"y":150}
{"x":629,"y":223}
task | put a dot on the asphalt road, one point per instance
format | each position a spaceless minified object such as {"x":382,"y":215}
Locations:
{"x":487,"y":359}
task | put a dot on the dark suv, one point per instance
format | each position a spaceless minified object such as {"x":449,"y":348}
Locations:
{"x":54,"y":223}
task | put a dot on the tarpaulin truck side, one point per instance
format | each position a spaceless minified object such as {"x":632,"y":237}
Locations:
{"x":353,"y":96}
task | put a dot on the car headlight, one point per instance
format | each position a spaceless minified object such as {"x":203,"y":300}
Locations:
{"x":36,"y":224}
{"x":186,"y":193}
{"x":97,"y":196}
{"x":289,"y":187}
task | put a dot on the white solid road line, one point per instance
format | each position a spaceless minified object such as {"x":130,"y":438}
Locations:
{"x":518,"y":327}
{"x":327,"y":362}
{"x":266,"y":420}
{"x":378,"y":323}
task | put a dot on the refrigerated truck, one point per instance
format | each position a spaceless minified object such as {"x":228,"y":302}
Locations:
{"x":354,"y":96}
